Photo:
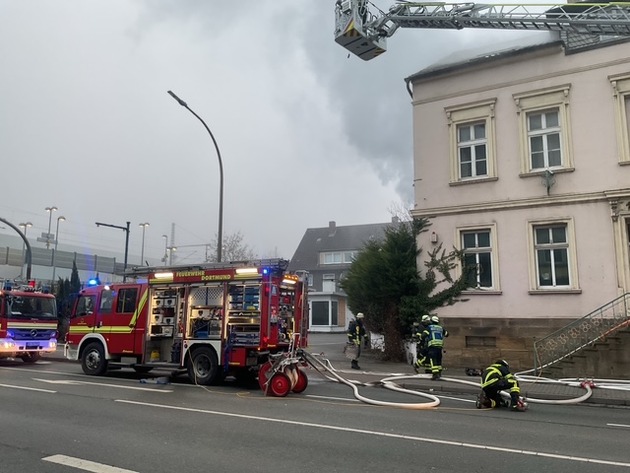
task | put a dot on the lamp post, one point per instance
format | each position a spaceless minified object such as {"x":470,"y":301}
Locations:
{"x":220,"y":231}
{"x":144,"y":227}
{"x":50,"y":210}
{"x":59,"y":219}
{"x":126,"y":230}
{"x":165,"y":259}
{"x":24,"y":226}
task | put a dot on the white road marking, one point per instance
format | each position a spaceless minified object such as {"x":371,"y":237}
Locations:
{"x":85,"y":465}
{"x":27,"y":389}
{"x":451,"y":443}
{"x":619,"y":425}
{"x":75,"y":382}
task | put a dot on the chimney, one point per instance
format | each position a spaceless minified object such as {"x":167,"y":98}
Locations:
{"x":332,"y":228}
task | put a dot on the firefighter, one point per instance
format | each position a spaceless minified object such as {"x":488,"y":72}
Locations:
{"x":496,"y":378}
{"x":433,"y":338}
{"x":356,"y":336}
{"x":422,"y":359}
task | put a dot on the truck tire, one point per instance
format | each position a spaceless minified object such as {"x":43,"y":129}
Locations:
{"x":31,"y":357}
{"x":203,"y":366}
{"x":93,"y":360}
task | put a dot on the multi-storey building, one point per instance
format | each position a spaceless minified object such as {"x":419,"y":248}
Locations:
{"x":325,"y":254}
{"x":522,"y":159}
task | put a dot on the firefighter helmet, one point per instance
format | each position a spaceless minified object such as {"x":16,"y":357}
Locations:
{"x":503,"y":363}
{"x":426,"y":318}
{"x":435,"y":319}
{"x":360,"y":315}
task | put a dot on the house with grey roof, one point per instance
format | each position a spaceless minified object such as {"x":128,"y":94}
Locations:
{"x":325,"y":254}
{"x":522,"y":160}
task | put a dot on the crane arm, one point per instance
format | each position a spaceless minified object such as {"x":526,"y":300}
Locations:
{"x":363,"y":31}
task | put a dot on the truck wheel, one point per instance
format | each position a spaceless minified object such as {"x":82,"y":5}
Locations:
{"x":302,"y":381}
{"x":203,"y":367}
{"x":93,"y":360}
{"x":30,"y":357}
{"x":279,"y":385}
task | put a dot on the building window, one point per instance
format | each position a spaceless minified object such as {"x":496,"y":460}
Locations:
{"x":553,"y":256}
{"x":324,"y":313}
{"x":545,"y":131}
{"x":471,"y":147}
{"x":477,"y":248}
{"x":328,"y":283}
{"x":337,"y":257}
{"x":472,"y":142}
{"x":621,"y":95}
{"x":473,"y":341}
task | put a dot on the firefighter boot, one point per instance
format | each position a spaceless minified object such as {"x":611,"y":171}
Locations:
{"x":355,"y":365}
{"x":514,"y":401}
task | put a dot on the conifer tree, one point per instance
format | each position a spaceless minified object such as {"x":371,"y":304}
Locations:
{"x":385,"y":284}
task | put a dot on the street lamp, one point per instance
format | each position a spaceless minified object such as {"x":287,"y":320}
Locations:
{"x":220,"y":232}
{"x":59,"y":219}
{"x":24,"y":227}
{"x":144,"y":227}
{"x":50,"y":210}
{"x":126,"y":230}
{"x":165,"y":259}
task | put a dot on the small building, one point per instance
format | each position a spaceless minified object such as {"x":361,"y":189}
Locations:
{"x":325,"y":254}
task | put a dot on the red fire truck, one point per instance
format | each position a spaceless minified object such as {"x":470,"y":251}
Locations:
{"x":28,"y":322}
{"x":209,"y":320}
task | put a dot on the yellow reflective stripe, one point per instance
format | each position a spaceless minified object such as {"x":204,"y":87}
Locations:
{"x":140,"y":307}
{"x":487,"y":382}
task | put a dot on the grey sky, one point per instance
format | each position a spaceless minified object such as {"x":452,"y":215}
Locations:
{"x":307,"y":135}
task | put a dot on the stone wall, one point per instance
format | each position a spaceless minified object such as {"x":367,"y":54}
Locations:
{"x":476,"y":342}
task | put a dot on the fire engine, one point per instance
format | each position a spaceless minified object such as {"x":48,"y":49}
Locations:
{"x":28,"y":322}
{"x":208,"y":320}
{"x":363,"y":30}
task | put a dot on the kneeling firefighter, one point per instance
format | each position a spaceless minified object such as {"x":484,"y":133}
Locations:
{"x":496,"y":378}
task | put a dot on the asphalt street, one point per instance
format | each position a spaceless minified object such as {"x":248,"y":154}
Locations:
{"x":55,"y":419}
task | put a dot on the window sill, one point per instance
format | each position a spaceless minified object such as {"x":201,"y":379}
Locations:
{"x":482,"y":292}
{"x":541,"y":172}
{"x":539,"y":292}
{"x":473,"y":180}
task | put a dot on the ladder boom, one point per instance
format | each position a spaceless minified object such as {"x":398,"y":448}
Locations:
{"x":364,"y":33}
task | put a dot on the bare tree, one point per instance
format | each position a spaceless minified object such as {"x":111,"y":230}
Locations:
{"x":234,"y":249}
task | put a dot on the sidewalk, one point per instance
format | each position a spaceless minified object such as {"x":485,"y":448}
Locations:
{"x":457,"y":382}
{"x":453,"y":382}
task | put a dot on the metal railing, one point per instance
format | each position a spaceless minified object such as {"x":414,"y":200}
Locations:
{"x":583,"y":332}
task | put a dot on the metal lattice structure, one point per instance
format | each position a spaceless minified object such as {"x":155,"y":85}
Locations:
{"x":364,"y":31}
{"x":582,"y":333}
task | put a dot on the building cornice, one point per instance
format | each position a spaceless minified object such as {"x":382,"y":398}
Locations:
{"x":609,"y":196}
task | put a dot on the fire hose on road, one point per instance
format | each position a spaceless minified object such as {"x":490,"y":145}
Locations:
{"x":390,"y":381}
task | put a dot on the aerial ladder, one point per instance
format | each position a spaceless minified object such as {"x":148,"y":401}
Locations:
{"x":363,"y":29}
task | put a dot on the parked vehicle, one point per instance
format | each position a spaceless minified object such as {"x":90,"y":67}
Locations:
{"x":208,"y":320}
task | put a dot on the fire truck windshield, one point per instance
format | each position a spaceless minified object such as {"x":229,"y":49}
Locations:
{"x":30,"y":307}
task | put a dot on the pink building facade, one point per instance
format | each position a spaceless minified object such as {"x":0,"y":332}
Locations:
{"x":522,"y":159}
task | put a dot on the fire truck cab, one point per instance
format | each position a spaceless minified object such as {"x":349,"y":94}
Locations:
{"x":209,"y":320}
{"x":28,"y":322}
